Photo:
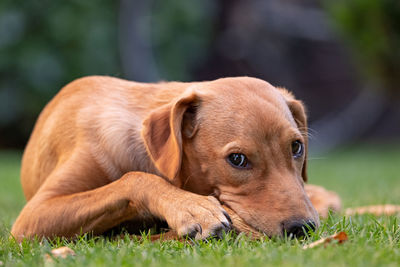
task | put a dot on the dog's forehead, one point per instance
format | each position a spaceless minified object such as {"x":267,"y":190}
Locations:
{"x":246,"y":106}
{"x":244,"y":96}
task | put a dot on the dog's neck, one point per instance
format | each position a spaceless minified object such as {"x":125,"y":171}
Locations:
{"x":132,"y":111}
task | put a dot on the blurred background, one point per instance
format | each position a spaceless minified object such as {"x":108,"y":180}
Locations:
{"x":342,"y":57}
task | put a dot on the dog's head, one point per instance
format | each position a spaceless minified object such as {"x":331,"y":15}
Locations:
{"x":243,"y":141}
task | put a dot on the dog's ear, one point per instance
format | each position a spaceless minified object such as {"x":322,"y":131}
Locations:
{"x":162,"y":133}
{"x":299,"y":114}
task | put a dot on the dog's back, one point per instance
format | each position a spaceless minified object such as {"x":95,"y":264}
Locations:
{"x":104,"y":113}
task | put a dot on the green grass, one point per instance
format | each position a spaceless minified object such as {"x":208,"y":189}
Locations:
{"x":362,"y":176}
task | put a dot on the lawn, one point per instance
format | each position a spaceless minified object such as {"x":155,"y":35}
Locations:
{"x":361,"y":175}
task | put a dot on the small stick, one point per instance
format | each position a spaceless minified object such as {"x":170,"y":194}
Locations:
{"x":340,"y":237}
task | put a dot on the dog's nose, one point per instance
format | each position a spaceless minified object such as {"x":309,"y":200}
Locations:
{"x":298,"y":228}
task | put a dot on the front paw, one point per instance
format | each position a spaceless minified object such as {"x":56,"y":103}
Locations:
{"x":198,"y":217}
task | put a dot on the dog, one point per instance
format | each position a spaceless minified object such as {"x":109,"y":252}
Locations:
{"x":107,"y":151}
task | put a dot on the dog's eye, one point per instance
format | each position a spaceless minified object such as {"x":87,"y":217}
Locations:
{"x":238,"y":160}
{"x":297,"y":149}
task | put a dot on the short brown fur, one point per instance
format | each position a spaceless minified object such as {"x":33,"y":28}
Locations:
{"x":106,"y":151}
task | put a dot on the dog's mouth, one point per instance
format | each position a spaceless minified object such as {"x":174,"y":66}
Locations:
{"x":240,"y":225}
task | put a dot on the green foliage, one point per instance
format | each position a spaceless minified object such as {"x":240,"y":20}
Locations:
{"x":372,"y":28}
{"x":11,"y":196}
{"x":372,"y":242}
{"x":364,"y":176}
{"x":46,"y":44}
{"x":181,"y":34}
{"x":361,"y":176}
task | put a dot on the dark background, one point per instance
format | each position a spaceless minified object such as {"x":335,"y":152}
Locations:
{"x":342,"y":58}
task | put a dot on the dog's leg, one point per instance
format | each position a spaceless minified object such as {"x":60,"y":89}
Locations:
{"x":136,"y":194}
{"x":323,"y":200}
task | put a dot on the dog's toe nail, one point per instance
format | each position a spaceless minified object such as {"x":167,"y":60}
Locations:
{"x":227,"y":226}
{"x":198,"y":228}
{"x":194,"y":230}
{"x":227,"y":216}
{"x":218,"y":232}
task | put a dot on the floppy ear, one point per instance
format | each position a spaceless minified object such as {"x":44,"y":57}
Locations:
{"x":299,"y":114}
{"x":162,"y":134}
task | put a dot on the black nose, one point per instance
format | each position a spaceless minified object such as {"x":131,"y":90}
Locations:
{"x":298,"y":228}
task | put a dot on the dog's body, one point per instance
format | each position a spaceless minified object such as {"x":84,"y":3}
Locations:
{"x":105,"y":151}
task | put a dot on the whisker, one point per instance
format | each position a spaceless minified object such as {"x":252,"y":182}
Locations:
{"x":308,"y":132}
{"x":312,"y":130}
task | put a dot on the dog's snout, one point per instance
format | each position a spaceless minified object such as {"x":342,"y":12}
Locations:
{"x":298,"y":228}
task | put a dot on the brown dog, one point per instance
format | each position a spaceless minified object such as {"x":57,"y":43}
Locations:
{"x":106,"y":151}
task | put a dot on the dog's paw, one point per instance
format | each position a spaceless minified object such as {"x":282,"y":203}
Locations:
{"x":199,"y":217}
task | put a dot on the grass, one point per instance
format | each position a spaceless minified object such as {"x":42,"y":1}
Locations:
{"x":361,"y":175}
